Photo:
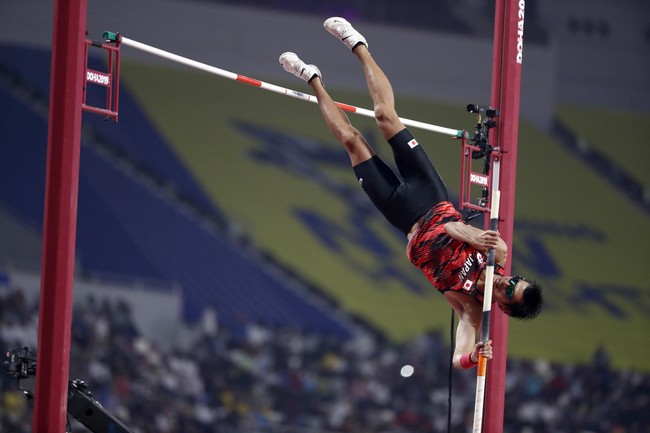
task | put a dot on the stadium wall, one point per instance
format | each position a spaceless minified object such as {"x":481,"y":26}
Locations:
{"x":249,"y":41}
{"x":160,"y":324}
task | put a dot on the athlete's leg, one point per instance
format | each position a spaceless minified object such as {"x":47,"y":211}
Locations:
{"x":401,"y":203}
{"x":381,"y":93}
{"x":380,"y":88}
{"x":423,"y":186}
{"x":375,"y":177}
{"x":411,"y":160}
{"x":356,"y":145}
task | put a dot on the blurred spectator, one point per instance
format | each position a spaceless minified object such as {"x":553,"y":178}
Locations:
{"x":283,"y":380}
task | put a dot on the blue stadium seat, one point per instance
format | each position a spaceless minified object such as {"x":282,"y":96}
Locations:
{"x":127,"y":228}
{"x":134,"y":135}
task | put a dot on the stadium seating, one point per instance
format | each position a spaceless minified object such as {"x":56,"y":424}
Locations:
{"x":134,"y":136}
{"x":157,"y":238}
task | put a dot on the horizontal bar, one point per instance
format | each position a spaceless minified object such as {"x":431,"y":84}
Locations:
{"x":97,"y":110}
{"x":456,"y":133}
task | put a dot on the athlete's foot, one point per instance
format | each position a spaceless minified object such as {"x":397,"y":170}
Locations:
{"x":344,"y":31}
{"x":292,"y":64}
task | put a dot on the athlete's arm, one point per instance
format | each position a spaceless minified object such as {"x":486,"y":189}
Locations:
{"x":480,"y":240}
{"x":466,"y":343}
{"x":465,"y":340}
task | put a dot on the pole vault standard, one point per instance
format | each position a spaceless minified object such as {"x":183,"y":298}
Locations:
{"x":60,"y":217}
{"x":119,"y":39}
{"x":507,"y":58}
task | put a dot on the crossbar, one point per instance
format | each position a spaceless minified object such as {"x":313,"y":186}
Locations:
{"x":456,"y":133}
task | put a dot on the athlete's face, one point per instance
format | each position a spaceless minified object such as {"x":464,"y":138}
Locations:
{"x":508,"y":291}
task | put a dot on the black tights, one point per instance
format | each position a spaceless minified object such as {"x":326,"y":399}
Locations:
{"x":404,"y":201}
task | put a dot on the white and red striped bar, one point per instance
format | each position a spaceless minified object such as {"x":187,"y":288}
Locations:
{"x":277,"y":89}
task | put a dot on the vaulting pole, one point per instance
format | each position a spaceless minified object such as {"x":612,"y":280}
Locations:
{"x":485,"y":322}
{"x":60,"y":219}
{"x":506,"y":86}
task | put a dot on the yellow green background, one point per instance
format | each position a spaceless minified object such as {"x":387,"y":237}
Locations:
{"x":573,"y":229}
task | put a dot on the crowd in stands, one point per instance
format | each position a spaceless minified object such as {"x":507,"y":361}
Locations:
{"x":282,"y":380}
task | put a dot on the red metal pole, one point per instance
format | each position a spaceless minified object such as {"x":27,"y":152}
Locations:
{"x":60,"y":220}
{"x":506,"y":86}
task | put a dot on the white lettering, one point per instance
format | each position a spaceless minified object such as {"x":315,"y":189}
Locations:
{"x":520,"y":32}
{"x":98,"y":78}
{"x":466,"y":267}
{"x":478,"y":179}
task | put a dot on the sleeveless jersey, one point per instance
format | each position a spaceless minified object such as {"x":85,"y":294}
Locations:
{"x":449,"y":264}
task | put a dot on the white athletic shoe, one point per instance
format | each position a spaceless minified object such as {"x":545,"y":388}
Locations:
{"x":292,"y":64}
{"x":343,"y":30}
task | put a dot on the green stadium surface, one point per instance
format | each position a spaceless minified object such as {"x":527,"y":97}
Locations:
{"x":621,"y":136}
{"x":271,"y":165}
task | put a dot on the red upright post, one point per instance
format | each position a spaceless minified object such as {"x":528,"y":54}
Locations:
{"x":60,"y":220}
{"x":506,"y":85}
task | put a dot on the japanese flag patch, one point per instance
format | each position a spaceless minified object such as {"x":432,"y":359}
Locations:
{"x":413,"y":143}
{"x":468,"y":285}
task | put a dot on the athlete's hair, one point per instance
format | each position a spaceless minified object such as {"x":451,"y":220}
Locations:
{"x":532,"y":302}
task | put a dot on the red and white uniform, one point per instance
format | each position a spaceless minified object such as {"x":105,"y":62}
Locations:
{"x":449,"y":264}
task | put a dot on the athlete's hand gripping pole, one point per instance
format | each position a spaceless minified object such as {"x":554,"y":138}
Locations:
{"x":485,"y":321}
